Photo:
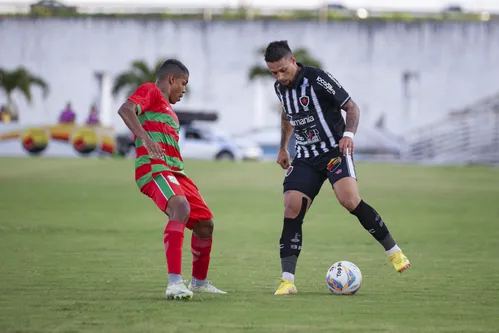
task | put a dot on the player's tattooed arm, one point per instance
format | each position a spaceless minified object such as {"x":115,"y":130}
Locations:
{"x":353,"y":116}
{"x":286,"y":130}
{"x":283,"y":158}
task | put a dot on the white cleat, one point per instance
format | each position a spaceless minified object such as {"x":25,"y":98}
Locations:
{"x":206,"y":288}
{"x":178,"y":291}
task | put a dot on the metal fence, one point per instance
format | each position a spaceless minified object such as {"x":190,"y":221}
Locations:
{"x":469,"y":136}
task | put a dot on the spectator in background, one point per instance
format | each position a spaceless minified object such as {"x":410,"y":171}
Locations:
{"x":93,"y":116}
{"x":67,"y":116}
{"x":4,"y":115}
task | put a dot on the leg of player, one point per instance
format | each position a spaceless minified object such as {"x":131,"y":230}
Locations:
{"x":178,"y":211}
{"x":296,"y":205}
{"x":201,"y":243}
{"x":347,"y":193}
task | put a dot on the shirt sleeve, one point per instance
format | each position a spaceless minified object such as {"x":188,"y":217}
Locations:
{"x":332,"y":88}
{"x":144,"y":97}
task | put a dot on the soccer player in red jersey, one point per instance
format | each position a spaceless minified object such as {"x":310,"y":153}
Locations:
{"x":159,"y":174}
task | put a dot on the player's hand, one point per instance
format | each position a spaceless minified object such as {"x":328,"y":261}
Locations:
{"x":153,"y":148}
{"x":346,"y":146}
{"x":283,"y":158}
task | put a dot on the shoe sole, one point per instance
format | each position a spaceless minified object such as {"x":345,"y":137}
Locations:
{"x":198,"y":291}
{"x":404,"y":268}
{"x":207,"y":292}
{"x":288,"y":292}
{"x":183,"y":297}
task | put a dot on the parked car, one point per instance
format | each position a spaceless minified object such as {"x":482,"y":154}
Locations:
{"x":203,"y":142}
{"x":206,"y":142}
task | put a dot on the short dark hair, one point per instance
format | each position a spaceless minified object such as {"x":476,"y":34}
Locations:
{"x":172,"y":66}
{"x":277,"y":50}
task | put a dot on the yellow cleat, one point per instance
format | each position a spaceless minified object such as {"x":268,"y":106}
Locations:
{"x":399,"y":261}
{"x":286,"y":288}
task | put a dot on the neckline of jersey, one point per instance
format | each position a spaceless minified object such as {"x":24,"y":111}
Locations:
{"x":299,"y":75}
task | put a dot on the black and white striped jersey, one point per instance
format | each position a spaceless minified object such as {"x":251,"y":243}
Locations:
{"x":313,"y":105}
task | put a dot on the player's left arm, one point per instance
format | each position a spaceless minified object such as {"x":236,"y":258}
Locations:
{"x":346,"y":144}
{"x":341,"y":98}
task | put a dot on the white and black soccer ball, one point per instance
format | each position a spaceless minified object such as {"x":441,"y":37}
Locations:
{"x":344,"y":278}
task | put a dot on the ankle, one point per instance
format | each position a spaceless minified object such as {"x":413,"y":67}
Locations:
{"x":288,"y":276}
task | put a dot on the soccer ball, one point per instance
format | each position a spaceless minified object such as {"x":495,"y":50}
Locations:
{"x":344,"y":278}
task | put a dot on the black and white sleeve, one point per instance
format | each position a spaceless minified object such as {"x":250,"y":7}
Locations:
{"x":332,"y":88}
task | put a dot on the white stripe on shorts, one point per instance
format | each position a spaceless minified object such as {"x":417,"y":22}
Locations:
{"x":350,"y":166}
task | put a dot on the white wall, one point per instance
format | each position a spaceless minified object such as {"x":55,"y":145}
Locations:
{"x":458,"y":62}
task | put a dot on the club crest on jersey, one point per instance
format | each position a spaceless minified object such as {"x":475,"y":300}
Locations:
{"x":304,"y":100}
{"x":288,"y":172}
{"x":173,"y":180}
{"x":334,"y":164}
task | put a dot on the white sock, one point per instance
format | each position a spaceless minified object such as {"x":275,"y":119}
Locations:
{"x":288,"y":276}
{"x":393,"y":250}
{"x":174,"y":278}
{"x":198,"y":283}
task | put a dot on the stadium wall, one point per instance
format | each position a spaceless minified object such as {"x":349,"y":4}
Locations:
{"x":446,"y":65}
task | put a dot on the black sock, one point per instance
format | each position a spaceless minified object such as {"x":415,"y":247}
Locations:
{"x":288,"y":264}
{"x":372,"y":222}
{"x":290,"y":244}
{"x":291,"y":240}
{"x":388,"y":242}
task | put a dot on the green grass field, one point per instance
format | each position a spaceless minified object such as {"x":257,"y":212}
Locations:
{"x":81,"y":251}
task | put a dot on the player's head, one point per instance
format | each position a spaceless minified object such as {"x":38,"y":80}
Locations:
{"x":172,"y":79}
{"x":281,"y":62}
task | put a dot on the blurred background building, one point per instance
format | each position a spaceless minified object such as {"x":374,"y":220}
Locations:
{"x":424,"y":73}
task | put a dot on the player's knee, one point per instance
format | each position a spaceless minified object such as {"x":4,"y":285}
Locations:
{"x":295,"y":208}
{"x":349,"y":201}
{"x":184,"y":210}
{"x":204,"y":229}
{"x":291,"y":211}
{"x":178,"y":209}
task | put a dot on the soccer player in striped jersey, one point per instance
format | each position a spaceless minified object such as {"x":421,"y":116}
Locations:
{"x":312,"y":100}
{"x":159,"y":174}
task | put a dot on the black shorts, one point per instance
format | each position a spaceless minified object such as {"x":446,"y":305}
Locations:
{"x":308,"y":175}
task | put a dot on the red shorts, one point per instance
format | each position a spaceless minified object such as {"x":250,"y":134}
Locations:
{"x":167,"y":184}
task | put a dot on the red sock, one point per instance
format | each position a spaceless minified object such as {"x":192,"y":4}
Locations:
{"x":201,"y":249}
{"x":173,"y":240}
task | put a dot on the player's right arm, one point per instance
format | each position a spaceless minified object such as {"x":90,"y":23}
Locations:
{"x":283,"y":158}
{"x":140,"y":100}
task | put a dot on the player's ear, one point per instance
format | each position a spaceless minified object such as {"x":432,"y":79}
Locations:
{"x":171,"y":79}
